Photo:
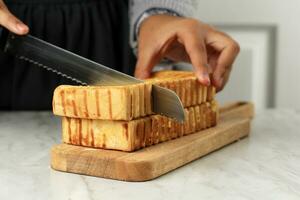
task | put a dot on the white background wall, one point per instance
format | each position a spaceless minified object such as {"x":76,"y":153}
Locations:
{"x":268,"y":68}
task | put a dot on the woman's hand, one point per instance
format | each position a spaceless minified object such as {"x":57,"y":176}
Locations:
{"x":186,"y":40}
{"x":10,"y":22}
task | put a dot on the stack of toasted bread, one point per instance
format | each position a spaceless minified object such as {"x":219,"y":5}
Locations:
{"x":121,"y":117}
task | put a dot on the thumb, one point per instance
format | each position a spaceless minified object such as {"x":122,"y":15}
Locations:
{"x":147,"y":59}
{"x":10,"y":22}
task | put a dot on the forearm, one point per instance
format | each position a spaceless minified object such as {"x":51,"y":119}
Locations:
{"x":139,"y":7}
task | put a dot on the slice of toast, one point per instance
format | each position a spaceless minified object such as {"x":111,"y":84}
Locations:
{"x":138,"y":133}
{"x":129,"y":101}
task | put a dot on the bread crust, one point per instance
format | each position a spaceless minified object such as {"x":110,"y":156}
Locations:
{"x":138,"y":133}
{"x":129,"y":101}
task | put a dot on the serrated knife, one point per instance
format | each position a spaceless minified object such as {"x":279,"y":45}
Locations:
{"x":83,"y":71}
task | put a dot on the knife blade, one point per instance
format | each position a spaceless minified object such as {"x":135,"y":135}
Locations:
{"x":84,"y":71}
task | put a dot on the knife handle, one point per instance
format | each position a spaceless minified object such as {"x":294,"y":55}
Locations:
{"x":3,"y":38}
{"x":9,"y":41}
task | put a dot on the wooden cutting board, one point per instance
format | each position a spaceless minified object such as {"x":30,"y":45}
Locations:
{"x":154,"y":161}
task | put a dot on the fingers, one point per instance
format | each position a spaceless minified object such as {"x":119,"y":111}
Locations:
{"x":150,"y":54}
{"x":224,"y":80}
{"x":147,"y":59}
{"x":195,"y":48}
{"x":228,"y":50}
{"x":186,"y":40}
{"x":10,"y":22}
{"x":225,"y":62}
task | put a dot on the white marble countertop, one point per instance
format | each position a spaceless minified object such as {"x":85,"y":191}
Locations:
{"x":265,"y":165}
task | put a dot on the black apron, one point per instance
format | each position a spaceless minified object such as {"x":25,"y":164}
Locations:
{"x":95,"y":29}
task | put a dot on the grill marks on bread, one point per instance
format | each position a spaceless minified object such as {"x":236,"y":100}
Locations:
{"x":139,"y":133}
{"x":127,"y":102}
{"x":121,"y":117}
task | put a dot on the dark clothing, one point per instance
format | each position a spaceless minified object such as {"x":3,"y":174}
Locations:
{"x":95,"y":29}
